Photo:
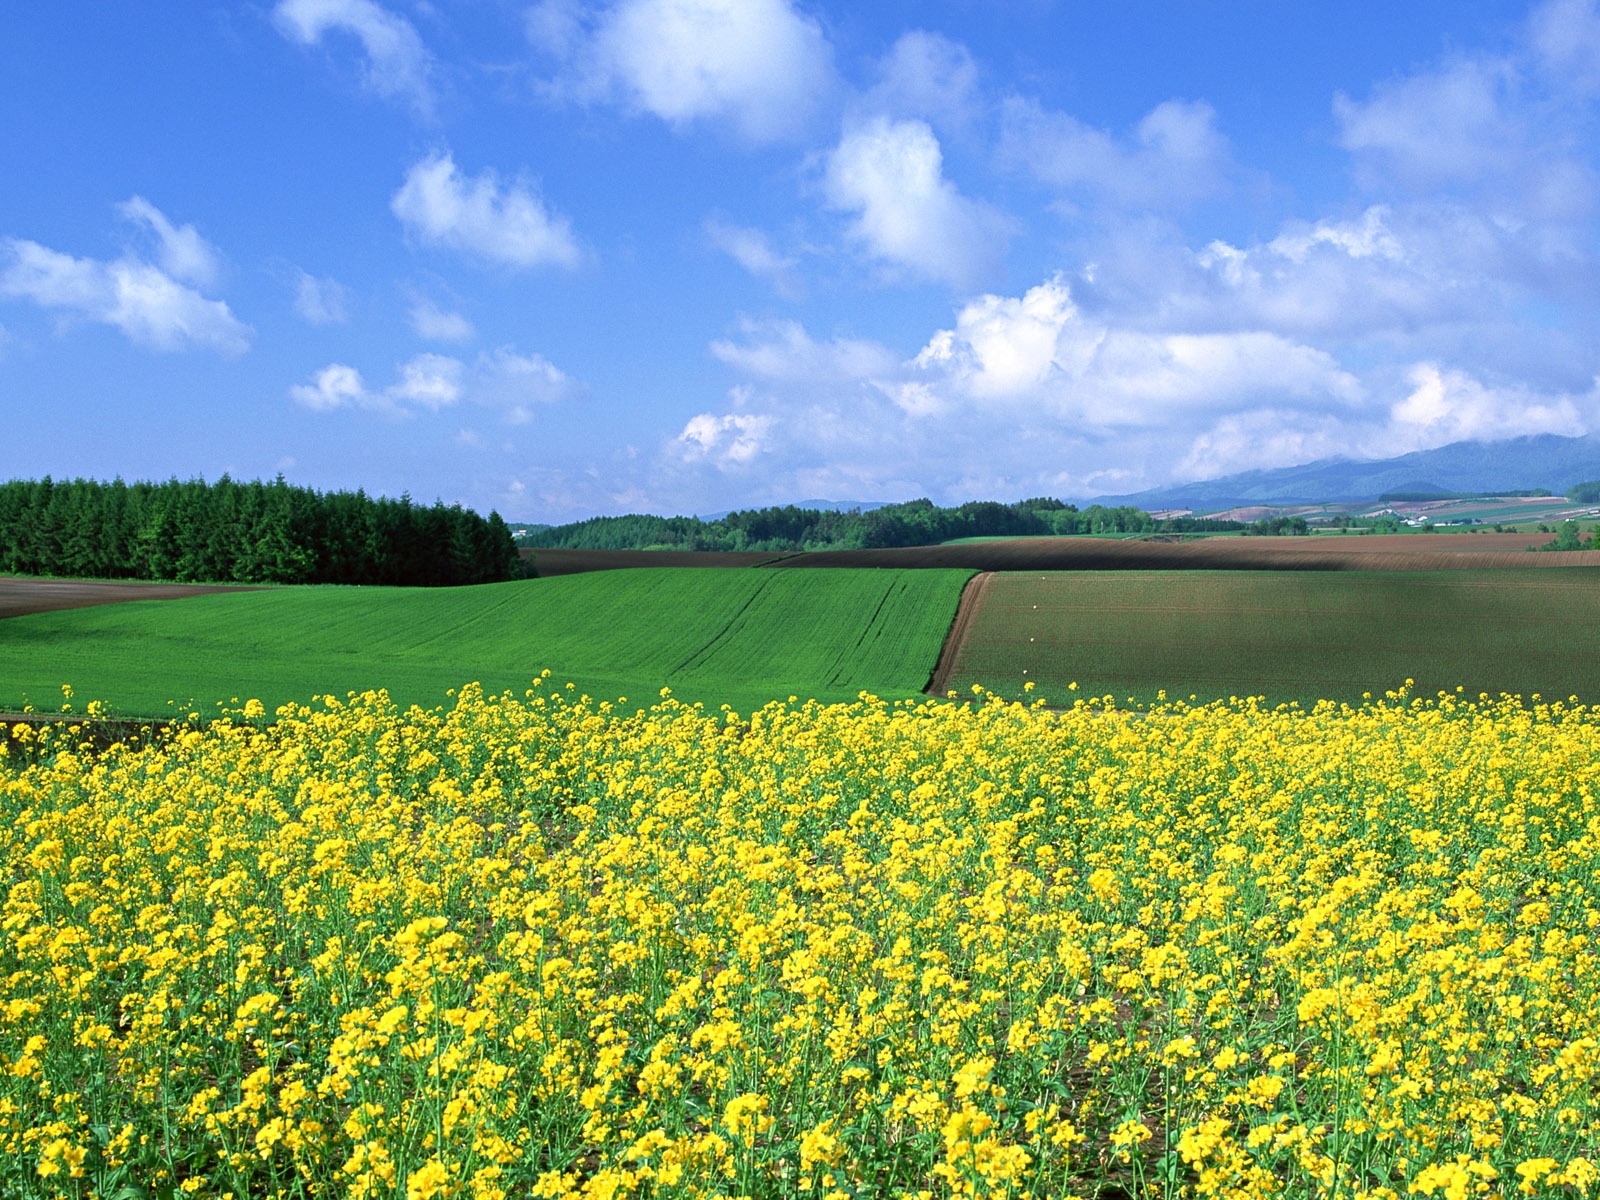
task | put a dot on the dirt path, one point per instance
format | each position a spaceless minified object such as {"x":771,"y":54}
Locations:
{"x":966,"y":609}
{"x":21,"y":596}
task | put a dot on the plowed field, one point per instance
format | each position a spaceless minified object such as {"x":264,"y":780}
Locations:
{"x":21,"y":596}
{"x":1284,"y":635}
{"x":1327,"y":552}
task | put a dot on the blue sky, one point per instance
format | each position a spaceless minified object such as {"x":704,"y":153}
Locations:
{"x":562,"y":259}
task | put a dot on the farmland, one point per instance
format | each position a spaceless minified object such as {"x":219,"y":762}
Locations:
{"x":522,"y":942}
{"x":734,"y":636}
{"x":1287,"y":635}
{"x":1323,"y":552}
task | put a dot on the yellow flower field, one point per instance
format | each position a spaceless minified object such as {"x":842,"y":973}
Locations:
{"x":538,"y":947}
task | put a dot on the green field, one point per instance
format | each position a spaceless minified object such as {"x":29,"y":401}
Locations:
{"x":740,"y":637}
{"x":1286,"y":635}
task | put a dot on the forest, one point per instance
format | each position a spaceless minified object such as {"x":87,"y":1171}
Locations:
{"x":915,"y":523}
{"x":245,"y":532}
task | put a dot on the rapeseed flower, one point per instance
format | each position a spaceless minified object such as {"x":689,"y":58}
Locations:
{"x":537,"y":946}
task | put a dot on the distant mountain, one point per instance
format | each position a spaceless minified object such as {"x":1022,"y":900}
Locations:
{"x":818,"y":505}
{"x":1541,"y":461}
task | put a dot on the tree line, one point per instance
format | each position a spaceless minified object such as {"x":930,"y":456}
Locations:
{"x":245,"y":532}
{"x":915,"y":523}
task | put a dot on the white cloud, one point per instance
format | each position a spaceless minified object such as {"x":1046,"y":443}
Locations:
{"x":147,"y":304}
{"x":1176,"y":154}
{"x":1334,"y":278}
{"x":1432,"y":279}
{"x":516,"y":384}
{"x":753,"y":251}
{"x":336,"y":385}
{"x":783,"y":351}
{"x":731,"y":440}
{"x":431,"y":381}
{"x":180,"y":250}
{"x":397,"y":63}
{"x":1431,"y":406}
{"x":1446,"y":406}
{"x":1435,"y":127}
{"x":510,"y":383}
{"x":1261,"y":439}
{"x":758,"y":65}
{"x":1501,"y":132}
{"x":321,"y":301}
{"x":1019,"y":395}
{"x":509,"y":226}
{"x":1039,"y":351}
{"x":929,"y":76}
{"x":431,"y":322}
{"x":890,"y":174}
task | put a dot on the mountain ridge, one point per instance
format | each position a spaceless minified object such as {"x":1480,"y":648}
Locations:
{"x":1544,"y":460}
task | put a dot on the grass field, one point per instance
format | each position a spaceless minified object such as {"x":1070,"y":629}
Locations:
{"x":1288,"y":635}
{"x":740,"y":637}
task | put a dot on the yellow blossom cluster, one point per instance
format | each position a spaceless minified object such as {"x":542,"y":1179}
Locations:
{"x":537,"y":946}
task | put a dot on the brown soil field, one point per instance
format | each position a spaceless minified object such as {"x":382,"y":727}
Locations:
{"x":1327,"y":552}
{"x":19,"y":596}
{"x":572,"y":562}
{"x":1284,"y":635}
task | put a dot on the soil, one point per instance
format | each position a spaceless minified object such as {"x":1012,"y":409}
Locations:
{"x":1326,"y":552}
{"x":1320,"y":552}
{"x":971,"y":600}
{"x":20,"y":596}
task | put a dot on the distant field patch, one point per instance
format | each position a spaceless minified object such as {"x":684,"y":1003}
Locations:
{"x":22,"y":595}
{"x":1285,"y":635}
{"x":740,"y":637}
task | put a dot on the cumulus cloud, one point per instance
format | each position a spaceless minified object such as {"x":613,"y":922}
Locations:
{"x":152,"y":305}
{"x":1040,"y":351}
{"x":1446,"y":405}
{"x":730,"y":440}
{"x":760,"y":66}
{"x":430,"y":321}
{"x":320,"y":301}
{"x":510,"y":383}
{"x":1426,"y":407}
{"x":1330,"y":278}
{"x":1175,"y":156}
{"x":431,"y":381}
{"x":510,"y":226}
{"x":890,"y":174}
{"x":336,"y":385}
{"x":397,"y":64}
{"x":1019,"y":394}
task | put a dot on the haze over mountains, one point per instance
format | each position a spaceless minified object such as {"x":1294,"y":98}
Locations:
{"x":1541,"y":461}
{"x":1537,"y":461}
